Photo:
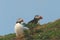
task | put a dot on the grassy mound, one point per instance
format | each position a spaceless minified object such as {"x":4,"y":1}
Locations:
{"x":49,"y":31}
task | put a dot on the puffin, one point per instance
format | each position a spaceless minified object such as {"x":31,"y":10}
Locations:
{"x":36,"y":19}
{"x":19,"y":28}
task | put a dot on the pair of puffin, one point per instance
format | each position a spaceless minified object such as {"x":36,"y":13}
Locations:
{"x":19,"y":27}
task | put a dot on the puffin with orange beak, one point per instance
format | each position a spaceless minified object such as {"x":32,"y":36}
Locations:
{"x":36,"y":19}
{"x":19,"y":28}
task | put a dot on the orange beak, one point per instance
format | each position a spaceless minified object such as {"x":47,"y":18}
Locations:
{"x":41,"y":17}
{"x":21,"y":20}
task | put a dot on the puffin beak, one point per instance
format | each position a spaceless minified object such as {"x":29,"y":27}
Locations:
{"x":41,"y":17}
{"x":22,"y":21}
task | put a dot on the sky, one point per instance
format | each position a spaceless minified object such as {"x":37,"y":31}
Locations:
{"x":11,"y":10}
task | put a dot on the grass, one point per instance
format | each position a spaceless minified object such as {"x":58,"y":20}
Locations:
{"x":49,"y":31}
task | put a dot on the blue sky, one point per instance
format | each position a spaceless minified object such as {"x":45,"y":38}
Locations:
{"x":11,"y":10}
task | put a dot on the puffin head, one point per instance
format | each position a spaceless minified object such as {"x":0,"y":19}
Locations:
{"x":38,"y":17}
{"x":20,"y":20}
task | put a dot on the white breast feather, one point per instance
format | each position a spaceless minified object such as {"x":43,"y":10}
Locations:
{"x":19,"y":29}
